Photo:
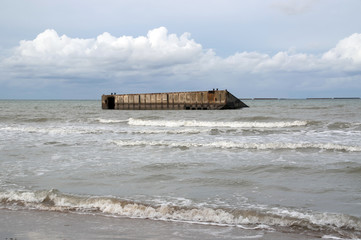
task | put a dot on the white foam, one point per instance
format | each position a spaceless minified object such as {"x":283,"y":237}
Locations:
{"x":116,"y":207}
{"x":102,"y":120}
{"x":241,"y":145}
{"x":165,"y":131}
{"x":194,"y":123}
{"x":263,"y":218}
{"x":320,"y":219}
{"x":22,"y":196}
{"x":330,"y":237}
{"x":53,"y":130}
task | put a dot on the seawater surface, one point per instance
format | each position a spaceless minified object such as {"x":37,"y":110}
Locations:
{"x":289,"y":166}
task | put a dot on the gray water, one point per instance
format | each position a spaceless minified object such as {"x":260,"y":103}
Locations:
{"x":285,"y":165}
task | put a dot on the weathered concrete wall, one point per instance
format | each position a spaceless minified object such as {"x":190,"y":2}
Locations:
{"x":202,"y":100}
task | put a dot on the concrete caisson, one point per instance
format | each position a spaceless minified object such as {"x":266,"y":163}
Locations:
{"x":200,"y":100}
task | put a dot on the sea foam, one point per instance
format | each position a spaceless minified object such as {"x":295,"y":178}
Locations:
{"x":195,"y":123}
{"x":242,"y":145}
{"x":248,"y":218}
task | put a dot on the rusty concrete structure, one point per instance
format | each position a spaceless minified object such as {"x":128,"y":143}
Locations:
{"x":200,"y":100}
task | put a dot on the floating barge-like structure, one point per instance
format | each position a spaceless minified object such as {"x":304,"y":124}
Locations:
{"x":201,"y":100}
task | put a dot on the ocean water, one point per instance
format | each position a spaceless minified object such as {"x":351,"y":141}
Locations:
{"x":281,"y":166}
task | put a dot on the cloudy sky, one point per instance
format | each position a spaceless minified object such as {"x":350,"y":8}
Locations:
{"x":81,"y":49}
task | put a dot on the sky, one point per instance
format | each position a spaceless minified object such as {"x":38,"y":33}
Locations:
{"x":81,"y":49}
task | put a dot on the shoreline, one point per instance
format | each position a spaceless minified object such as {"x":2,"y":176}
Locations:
{"x":32,"y":224}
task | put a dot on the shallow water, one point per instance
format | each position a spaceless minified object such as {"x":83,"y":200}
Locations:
{"x":278,"y":166}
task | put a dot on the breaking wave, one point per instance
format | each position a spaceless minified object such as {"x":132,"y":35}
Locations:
{"x":54,"y":130}
{"x":102,"y":120}
{"x":167,"y":131}
{"x":240,"y":145}
{"x":248,"y":218}
{"x":194,"y":123}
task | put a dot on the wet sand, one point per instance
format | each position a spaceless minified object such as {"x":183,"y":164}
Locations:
{"x":23,"y":225}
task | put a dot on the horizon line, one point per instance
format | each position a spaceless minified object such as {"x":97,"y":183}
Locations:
{"x":245,"y":99}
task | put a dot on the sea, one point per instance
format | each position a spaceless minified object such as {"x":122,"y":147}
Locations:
{"x":280,"y":169}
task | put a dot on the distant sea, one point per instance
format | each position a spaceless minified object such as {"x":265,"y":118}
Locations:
{"x":279,"y":169}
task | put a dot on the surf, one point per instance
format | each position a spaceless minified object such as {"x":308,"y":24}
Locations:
{"x":211,"y":124}
{"x":254,"y":217}
{"x":242,"y":145}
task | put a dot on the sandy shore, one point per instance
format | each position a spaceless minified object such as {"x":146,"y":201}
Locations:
{"x":22,"y":225}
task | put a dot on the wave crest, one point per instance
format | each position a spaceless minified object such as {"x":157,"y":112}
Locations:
{"x":103,"y":120}
{"x":194,"y":123}
{"x":54,"y":200}
{"x":241,"y":145}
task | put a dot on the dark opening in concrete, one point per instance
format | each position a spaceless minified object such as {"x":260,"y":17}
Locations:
{"x":111,"y":102}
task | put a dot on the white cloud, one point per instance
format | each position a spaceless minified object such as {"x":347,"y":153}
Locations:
{"x":158,"y":54}
{"x":348,"y":49}
{"x":158,"y":48}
